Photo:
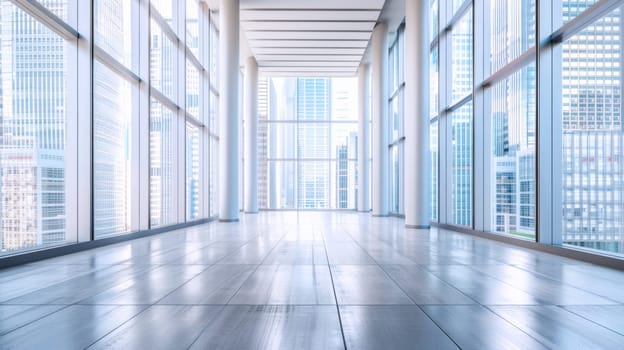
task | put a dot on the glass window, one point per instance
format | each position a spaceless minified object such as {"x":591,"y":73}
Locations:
{"x":58,"y":7}
{"x":32,"y":145}
{"x":434,"y":25}
{"x":512,"y":30}
{"x":113,"y":29}
{"x":512,"y":159}
{"x":433,"y":138}
{"x":162,"y":62}
{"x":214,"y":113}
{"x":112,"y":116}
{"x":313,"y":184}
{"x":193,"y":81}
{"x":281,"y":140}
{"x":434,"y":76}
{"x":570,"y":9}
{"x":214,"y":171}
{"x":308,"y":148}
{"x":192,"y":172}
{"x":214,"y":54}
{"x":162,"y":165}
{"x":592,"y":173}
{"x":282,"y":184}
{"x":192,"y":26}
{"x":461,"y":165}
{"x":313,"y":140}
{"x":165,"y":9}
{"x":461,"y":39}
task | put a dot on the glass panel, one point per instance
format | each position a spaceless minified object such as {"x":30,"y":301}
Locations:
{"x":512,"y":161}
{"x":281,"y":185}
{"x":214,"y":56}
{"x":313,"y":184}
{"x":343,"y":182}
{"x":113,"y":29}
{"x":162,"y":165}
{"x":32,"y":139}
{"x":394,"y":119}
{"x":58,"y":7}
{"x":192,"y":27}
{"x":433,"y":138}
{"x":162,"y":62}
{"x":434,"y":76}
{"x":593,"y":163}
{"x":164,"y":8}
{"x":313,"y":140}
{"x":512,"y":30}
{"x":573,"y":8}
{"x":344,"y":139}
{"x":344,"y":99}
{"x":112,"y":116}
{"x":214,"y":161}
{"x":192,"y":172}
{"x":214,"y":116}
{"x":281,"y":140}
{"x":313,"y":99}
{"x":434,"y":25}
{"x":457,"y":4}
{"x":193,"y":82}
{"x":283,"y":92}
{"x":394,"y":179}
{"x":462,"y":57}
{"x":461,"y":166}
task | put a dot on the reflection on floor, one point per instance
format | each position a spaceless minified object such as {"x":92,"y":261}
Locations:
{"x":311,"y":281}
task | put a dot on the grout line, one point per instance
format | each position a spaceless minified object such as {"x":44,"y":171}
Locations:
{"x":403,"y":290}
{"x":331,"y":277}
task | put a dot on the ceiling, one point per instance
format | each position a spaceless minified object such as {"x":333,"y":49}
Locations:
{"x":309,"y":38}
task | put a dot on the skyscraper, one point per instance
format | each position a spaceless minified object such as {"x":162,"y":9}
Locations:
{"x":32,"y":130}
{"x":313,"y":142}
{"x":593,"y":168}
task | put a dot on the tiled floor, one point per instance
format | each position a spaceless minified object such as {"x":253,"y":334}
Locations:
{"x":311,"y":280}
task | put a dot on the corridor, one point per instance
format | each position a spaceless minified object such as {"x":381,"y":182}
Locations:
{"x":311,"y":280}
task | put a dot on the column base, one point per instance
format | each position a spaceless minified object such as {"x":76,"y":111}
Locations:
{"x":380,"y":215}
{"x":228,"y":220}
{"x":251,"y":212}
{"x":419,"y":227}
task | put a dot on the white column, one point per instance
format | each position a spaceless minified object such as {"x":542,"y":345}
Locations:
{"x":379,"y":81}
{"x":228,"y":115}
{"x":251,"y":135}
{"x":417,"y":153}
{"x":363,"y":139}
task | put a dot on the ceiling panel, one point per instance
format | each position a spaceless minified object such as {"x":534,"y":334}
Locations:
{"x":312,"y":26}
{"x":317,"y":4}
{"x":308,"y":15}
{"x":318,"y":58}
{"x":310,"y":63}
{"x":309,"y":43}
{"x":311,"y":35}
{"x":307,"y":51}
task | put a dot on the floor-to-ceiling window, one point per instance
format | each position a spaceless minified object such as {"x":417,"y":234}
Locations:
{"x":589,"y":65}
{"x":396,"y":135}
{"x":105,"y":117}
{"x":35,"y":161}
{"x":518,"y":113}
{"x":307,"y":143}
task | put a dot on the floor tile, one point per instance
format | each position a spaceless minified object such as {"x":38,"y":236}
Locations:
{"x":391,"y":327}
{"x":273,"y":327}
{"x":475,"y":327}
{"x":366,"y":285}
{"x":287,"y":285}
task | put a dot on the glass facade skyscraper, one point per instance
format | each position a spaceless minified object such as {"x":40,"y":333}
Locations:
{"x":33,"y":66}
